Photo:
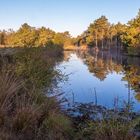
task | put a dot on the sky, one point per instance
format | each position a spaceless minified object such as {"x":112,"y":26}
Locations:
{"x":64,"y":15}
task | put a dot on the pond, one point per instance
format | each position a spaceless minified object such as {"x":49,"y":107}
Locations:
{"x":105,"y":79}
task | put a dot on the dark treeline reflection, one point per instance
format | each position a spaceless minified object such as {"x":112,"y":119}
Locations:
{"x":103,"y":63}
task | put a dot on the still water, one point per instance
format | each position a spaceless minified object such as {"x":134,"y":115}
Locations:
{"x":101,"y":78}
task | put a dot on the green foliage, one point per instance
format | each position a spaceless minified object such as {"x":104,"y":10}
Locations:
{"x":98,"y":31}
{"x":131,"y":38}
{"x":62,"y":39}
{"x":103,"y":35}
{"x":25,"y":36}
{"x":28,"y":36}
{"x":35,"y":65}
{"x":45,"y":37}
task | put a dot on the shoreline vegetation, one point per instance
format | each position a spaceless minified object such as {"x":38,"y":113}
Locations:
{"x":28,"y":58}
{"x":27,"y":111}
{"x":101,"y":35}
{"x":27,"y":75}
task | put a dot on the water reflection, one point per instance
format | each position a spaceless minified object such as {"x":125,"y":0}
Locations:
{"x":104,"y":78}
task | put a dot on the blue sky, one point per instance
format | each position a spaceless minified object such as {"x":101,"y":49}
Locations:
{"x":64,"y":15}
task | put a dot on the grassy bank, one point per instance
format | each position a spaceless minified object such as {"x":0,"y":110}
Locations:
{"x":26,"y":109}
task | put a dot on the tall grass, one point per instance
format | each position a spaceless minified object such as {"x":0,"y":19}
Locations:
{"x":26,"y":112}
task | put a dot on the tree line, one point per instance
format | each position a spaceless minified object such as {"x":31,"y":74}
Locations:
{"x":27,"y":36}
{"x":104,"y":35}
{"x":100,"y":34}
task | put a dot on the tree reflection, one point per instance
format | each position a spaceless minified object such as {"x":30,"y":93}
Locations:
{"x":105,"y":63}
{"x":132,"y":75}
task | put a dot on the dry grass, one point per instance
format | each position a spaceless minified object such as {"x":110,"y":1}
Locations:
{"x":25,"y":111}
